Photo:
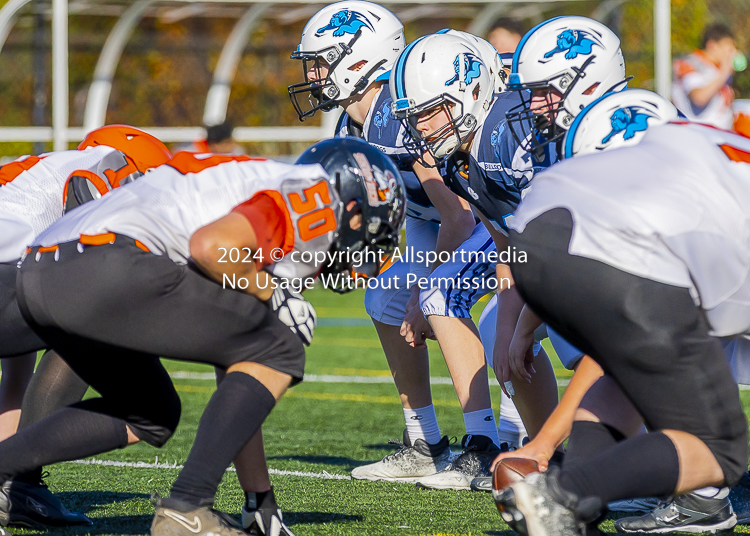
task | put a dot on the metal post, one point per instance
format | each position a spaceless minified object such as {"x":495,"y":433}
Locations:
{"x":662,"y":48}
{"x":98,"y":96}
{"x":217,"y":99}
{"x":39,"y":113}
{"x":59,"y":75}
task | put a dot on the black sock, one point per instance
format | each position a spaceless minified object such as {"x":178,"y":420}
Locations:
{"x":588,"y":439}
{"x":233,"y":415}
{"x":644,"y":466}
{"x":71,"y":433}
{"x":256,"y":500}
{"x":53,"y":386}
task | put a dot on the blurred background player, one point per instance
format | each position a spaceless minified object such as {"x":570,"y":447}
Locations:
{"x":396,"y":311}
{"x":35,"y":193}
{"x":505,"y":34}
{"x":701,"y":87}
{"x":219,"y":140}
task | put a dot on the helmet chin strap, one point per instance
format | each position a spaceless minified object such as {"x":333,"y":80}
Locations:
{"x":363,"y":82}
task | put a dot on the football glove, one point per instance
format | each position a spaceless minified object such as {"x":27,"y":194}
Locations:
{"x":264,"y":523}
{"x":296,"y":312}
{"x":264,"y":519}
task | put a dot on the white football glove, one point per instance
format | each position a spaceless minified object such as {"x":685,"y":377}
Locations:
{"x":296,"y":312}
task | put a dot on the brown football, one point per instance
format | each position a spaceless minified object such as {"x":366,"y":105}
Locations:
{"x":511,"y":470}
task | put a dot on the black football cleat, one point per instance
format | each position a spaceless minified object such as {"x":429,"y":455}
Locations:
{"x":33,"y":505}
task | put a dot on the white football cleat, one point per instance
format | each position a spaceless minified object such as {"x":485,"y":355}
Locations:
{"x":409,"y":463}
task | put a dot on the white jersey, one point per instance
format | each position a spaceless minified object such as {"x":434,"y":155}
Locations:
{"x":697,"y":71}
{"x":32,"y":191}
{"x":164,"y":208}
{"x":674,"y":209}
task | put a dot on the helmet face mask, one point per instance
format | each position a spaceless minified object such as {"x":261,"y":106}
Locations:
{"x":535,"y":126}
{"x":441,"y":75}
{"x":318,"y":92}
{"x":441,"y":142}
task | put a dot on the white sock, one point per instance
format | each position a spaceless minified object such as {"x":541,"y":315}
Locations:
{"x":510,"y":429}
{"x":482,"y":422}
{"x":422,"y":423}
{"x":711,"y":492}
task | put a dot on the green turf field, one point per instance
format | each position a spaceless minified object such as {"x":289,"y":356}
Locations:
{"x":323,"y":429}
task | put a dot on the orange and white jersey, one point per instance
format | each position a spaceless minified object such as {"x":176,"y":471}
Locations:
{"x":164,"y":208}
{"x":697,"y":71}
{"x":32,"y":192}
{"x":674,"y":209}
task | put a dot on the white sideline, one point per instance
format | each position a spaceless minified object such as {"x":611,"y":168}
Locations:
{"x":156,"y":465}
{"x":326,"y":378}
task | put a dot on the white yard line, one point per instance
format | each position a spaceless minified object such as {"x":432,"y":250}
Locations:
{"x":326,"y":378}
{"x":156,"y":465}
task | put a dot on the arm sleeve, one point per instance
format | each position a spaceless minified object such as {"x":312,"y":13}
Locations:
{"x":270,"y":223}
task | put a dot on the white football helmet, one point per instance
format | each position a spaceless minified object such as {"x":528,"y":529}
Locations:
{"x":440,"y":71}
{"x":617,"y":120}
{"x":357,"y":42}
{"x":489,"y":56}
{"x":578,"y":57}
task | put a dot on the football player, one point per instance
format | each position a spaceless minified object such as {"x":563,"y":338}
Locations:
{"x":645,"y":288}
{"x":375,"y":40}
{"x":142,"y":273}
{"x":35,"y":192}
{"x":621,"y":120}
{"x":460,"y":123}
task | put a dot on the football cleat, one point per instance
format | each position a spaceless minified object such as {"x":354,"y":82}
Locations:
{"x":200,"y":521}
{"x":478,"y":454}
{"x":409,"y":463}
{"x":264,"y":523}
{"x":264,"y":519}
{"x":685,"y":513}
{"x":34,"y":505}
{"x":481,"y":483}
{"x":531,"y":508}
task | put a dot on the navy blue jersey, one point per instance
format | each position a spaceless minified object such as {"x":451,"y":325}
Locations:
{"x":385,"y":133}
{"x":492,"y":176}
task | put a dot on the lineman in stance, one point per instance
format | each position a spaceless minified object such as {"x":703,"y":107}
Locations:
{"x":648,"y":313}
{"x":396,"y":309}
{"x":169,"y":227}
{"x":35,"y":193}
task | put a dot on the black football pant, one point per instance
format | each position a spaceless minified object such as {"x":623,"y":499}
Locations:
{"x":110,"y":311}
{"x":650,"y":337}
